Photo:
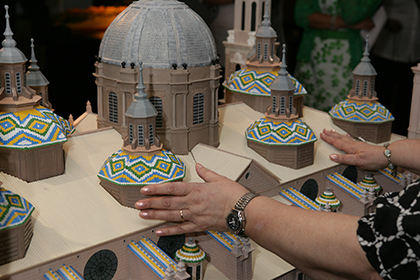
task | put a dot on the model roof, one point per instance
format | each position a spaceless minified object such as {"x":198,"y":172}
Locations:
{"x":125,"y":169}
{"x":34,"y":76}
{"x":14,"y":209}
{"x":257,"y":83}
{"x":328,"y":197}
{"x":32,"y":128}
{"x":363,"y":112}
{"x":365,"y":68}
{"x":9,"y":53}
{"x":265,"y":30}
{"x":190,"y":253}
{"x":283,"y":81}
{"x":160,"y":33}
{"x":280,"y":133}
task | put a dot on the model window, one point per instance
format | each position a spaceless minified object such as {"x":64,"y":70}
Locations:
{"x":365,"y":88}
{"x":282,"y":105}
{"x":238,"y":67}
{"x":290,"y":104}
{"x":113,"y":107}
{"x":41,"y":102}
{"x":8,"y":86}
{"x":259,"y":51}
{"x":140,"y":134}
{"x":357,"y":87}
{"x":130,"y":132}
{"x":253,"y":16}
{"x":272,"y":50}
{"x":198,"y":108}
{"x":274,"y":102}
{"x":372,"y":86}
{"x":18,"y":83}
{"x":243,"y":16}
{"x":265,"y":51}
{"x":157,"y":102}
{"x":151,"y":138}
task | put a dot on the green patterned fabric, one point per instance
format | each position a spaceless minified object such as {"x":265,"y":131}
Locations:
{"x":327,"y":57}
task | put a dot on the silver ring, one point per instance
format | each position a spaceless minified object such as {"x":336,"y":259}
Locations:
{"x":182,"y":215}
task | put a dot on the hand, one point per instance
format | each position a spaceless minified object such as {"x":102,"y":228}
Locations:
{"x":366,"y":24}
{"x":204,"y":205}
{"x":363,"y":155}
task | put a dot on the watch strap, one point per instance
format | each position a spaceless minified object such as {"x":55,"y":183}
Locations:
{"x":388,"y":155}
{"x":244,"y":200}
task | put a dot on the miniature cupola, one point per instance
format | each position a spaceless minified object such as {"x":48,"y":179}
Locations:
{"x":369,"y":183}
{"x":364,"y":78}
{"x":327,"y":199}
{"x":193,"y":257}
{"x":262,"y":56}
{"x":36,"y":80}
{"x":141,"y":122}
{"x":14,"y":91}
{"x":282,"y":93}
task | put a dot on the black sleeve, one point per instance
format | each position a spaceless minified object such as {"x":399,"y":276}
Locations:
{"x":391,"y":236}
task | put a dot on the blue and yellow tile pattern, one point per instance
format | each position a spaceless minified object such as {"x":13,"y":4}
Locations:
{"x":14,"y":209}
{"x":361,"y":112}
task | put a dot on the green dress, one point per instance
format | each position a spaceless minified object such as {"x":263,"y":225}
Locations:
{"x":326,"y":58}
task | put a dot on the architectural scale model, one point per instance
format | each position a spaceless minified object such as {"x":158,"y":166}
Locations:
{"x":181,"y":72}
{"x":141,"y":161}
{"x":193,"y":257}
{"x":16,"y":227}
{"x":361,"y":114}
{"x":414,"y":127}
{"x":31,"y":136}
{"x":251,"y":84}
{"x":281,"y":137}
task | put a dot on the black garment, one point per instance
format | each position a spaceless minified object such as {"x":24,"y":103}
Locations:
{"x":391,"y":236}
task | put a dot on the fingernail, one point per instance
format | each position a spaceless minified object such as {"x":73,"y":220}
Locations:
{"x":199,"y":166}
{"x":333,"y":157}
{"x":139,"y":204}
{"x":159,"y":232}
{"x":144,"y":214}
{"x":145,"y":190}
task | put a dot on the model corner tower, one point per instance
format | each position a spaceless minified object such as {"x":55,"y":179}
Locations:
{"x":31,"y":136}
{"x":361,"y":114}
{"x":281,"y":137}
{"x":141,"y":161}
{"x":251,"y":84}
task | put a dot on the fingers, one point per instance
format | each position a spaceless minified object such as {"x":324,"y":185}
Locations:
{"x":186,"y":227}
{"x":348,"y":159}
{"x":166,"y":215}
{"x":172,"y":188}
{"x":206,"y":174}
{"x":162,"y":202}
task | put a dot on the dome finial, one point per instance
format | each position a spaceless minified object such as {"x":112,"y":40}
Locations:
{"x":266,"y":20}
{"x":34,"y":66}
{"x":141,"y":94}
{"x":283,"y":65}
{"x":8,"y":31}
{"x":366,"y":53}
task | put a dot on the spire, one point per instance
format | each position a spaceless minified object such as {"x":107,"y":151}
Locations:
{"x":366,"y":53}
{"x":34,"y":76}
{"x":283,"y":81}
{"x":265,"y":30}
{"x":10,"y":53}
{"x":365,"y":68}
{"x":266,"y":19}
{"x":8,"y":32}
{"x":34,"y":66}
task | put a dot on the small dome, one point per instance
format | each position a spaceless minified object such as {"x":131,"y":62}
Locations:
{"x":328,"y":197}
{"x":369,"y":183}
{"x":361,"y":112}
{"x":32,"y":128}
{"x":14,"y":209}
{"x":257,"y":83}
{"x":190,"y":253}
{"x":160,"y":33}
{"x":280,"y":133}
{"x":122,"y":168}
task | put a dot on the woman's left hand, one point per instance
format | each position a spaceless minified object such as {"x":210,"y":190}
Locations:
{"x":194,"y":206}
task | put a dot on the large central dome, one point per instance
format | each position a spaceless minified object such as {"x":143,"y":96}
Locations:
{"x":159,"y":33}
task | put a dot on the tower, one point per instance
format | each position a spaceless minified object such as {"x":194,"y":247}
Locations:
{"x":414,"y":128}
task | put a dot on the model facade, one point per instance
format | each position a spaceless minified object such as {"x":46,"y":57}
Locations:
{"x":414,"y":128}
{"x":251,"y":84}
{"x":141,"y":161}
{"x":361,"y":114}
{"x":281,"y":137}
{"x":32,"y":136}
{"x":181,"y":72}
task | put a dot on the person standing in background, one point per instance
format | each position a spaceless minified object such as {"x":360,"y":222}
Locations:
{"x":396,"y":50}
{"x":331,"y":47}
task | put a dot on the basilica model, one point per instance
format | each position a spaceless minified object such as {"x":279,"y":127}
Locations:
{"x":181,"y":72}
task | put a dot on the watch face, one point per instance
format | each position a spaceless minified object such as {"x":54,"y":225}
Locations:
{"x":233,"y":222}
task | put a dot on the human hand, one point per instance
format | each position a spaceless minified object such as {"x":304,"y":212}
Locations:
{"x":363,"y":155}
{"x":204,"y":206}
{"x":366,"y":24}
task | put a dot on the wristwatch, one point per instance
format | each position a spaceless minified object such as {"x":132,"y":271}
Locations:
{"x":236,"y":218}
{"x":388,"y":155}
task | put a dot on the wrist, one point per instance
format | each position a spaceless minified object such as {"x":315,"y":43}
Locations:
{"x":388,"y":154}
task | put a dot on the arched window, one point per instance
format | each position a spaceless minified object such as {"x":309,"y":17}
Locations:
{"x":198,"y":108}
{"x":274,"y":103}
{"x":259,"y":51}
{"x":265,"y":51}
{"x":140,"y":135}
{"x":243,"y":16}
{"x":272,"y":51}
{"x":151,"y":138}
{"x":282,"y":105}
{"x":372,"y":86}
{"x":18,"y":83}
{"x":253,"y":16}
{"x":131,"y":132}
{"x":290,"y":104}
{"x":157,"y":102}
{"x":41,"y":102}
{"x":113,"y":107}
{"x":357,"y":87}
{"x":8,"y":85}
{"x":237,"y":67}
{"x":365,"y":88}
{"x":310,"y":189}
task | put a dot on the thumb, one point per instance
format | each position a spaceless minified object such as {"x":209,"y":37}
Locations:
{"x":206,"y":174}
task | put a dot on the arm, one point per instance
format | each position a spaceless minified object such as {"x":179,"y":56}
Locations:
{"x":405,"y":153}
{"x":323,"y":245}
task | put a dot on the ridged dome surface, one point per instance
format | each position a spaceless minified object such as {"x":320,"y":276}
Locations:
{"x":159,"y":33}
